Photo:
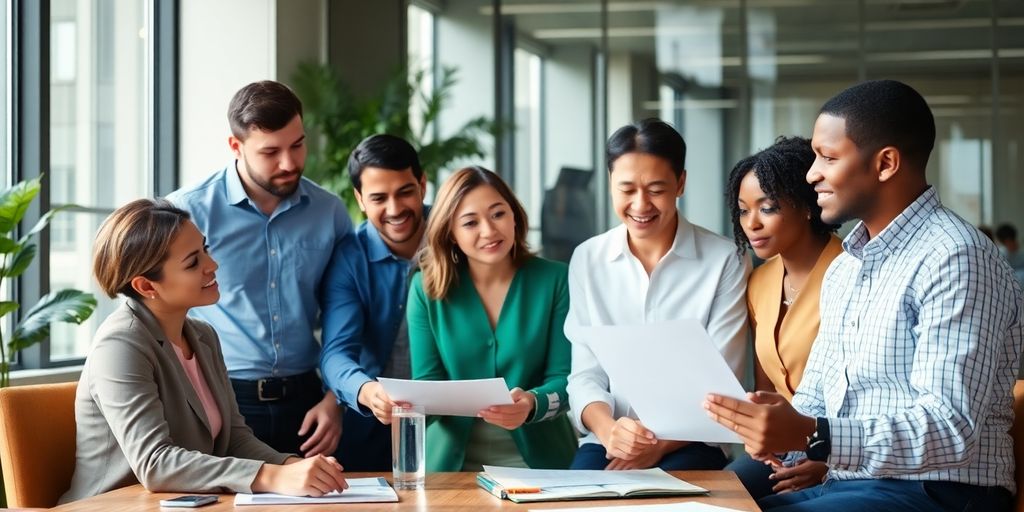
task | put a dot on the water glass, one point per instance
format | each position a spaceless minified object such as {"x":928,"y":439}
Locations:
{"x":408,"y":425}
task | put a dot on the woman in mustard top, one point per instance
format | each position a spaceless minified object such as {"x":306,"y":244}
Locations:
{"x":775,"y":212}
{"x":483,"y":306}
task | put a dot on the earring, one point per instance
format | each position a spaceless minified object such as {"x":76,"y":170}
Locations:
{"x":455,"y":256}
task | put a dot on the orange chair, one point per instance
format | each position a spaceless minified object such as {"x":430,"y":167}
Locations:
{"x":1018,"y":441}
{"x":37,"y":442}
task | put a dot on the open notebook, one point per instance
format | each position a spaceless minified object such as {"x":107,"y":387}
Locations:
{"x":360,"y":490}
{"x":528,"y":485}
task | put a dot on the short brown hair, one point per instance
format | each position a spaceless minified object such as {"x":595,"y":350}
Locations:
{"x":134,"y":241}
{"x":437,"y":258}
{"x":265,"y":105}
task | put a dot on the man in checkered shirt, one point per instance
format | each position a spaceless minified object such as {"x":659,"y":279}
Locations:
{"x":908,"y":391}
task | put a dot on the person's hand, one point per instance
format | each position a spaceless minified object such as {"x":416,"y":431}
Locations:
{"x":804,"y":474}
{"x":627,"y":439}
{"x":648,"y":458}
{"x":373,"y":397}
{"x":510,"y":417}
{"x":327,"y":416}
{"x":314,"y":476}
{"x":767,"y":424}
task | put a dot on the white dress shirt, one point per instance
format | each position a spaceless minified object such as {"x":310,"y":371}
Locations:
{"x":917,"y":353}
{"x":701,"y":277}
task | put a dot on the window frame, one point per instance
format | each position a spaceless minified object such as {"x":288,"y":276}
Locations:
{"x":29,"y":39}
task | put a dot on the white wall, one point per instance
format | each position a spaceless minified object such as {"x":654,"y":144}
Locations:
{"x":568,"y":109}
{"x":224,"y":45}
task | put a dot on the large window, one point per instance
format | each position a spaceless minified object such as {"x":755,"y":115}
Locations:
{"x":99,"y":119}
{"x":733,"y":76}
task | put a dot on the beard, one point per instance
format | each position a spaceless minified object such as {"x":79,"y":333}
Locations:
{"x":281,"y":191}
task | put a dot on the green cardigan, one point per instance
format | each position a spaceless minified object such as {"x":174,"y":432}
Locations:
{"x":452,"y":339}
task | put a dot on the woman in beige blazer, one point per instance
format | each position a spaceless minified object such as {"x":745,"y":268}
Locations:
{"x":154,"y":403}
{"x":775,"y":212}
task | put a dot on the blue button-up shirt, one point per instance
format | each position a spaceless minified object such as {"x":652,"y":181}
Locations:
{"x":364,"y":295}
{"x":916,"y":357}
{"x":270,"y":271}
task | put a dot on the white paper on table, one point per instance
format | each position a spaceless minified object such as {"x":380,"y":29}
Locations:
{"x":360,"y":490}
{"x":689,"y":506}
{"x":551,"y":478}
{"x":449,"y":397}
{"x":666,"y":370}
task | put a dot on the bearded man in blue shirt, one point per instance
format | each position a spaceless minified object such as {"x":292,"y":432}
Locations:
{"x":273,"y":233}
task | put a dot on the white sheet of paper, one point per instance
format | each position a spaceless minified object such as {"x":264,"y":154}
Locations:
{"x":689,"y":506}
{"x":552,"y":478}
{"x":360,"y":490}
{"x":666,"y":369}
{"x":449,"y":397}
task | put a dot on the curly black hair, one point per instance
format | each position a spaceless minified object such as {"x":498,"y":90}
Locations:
{"x":781,"y":170}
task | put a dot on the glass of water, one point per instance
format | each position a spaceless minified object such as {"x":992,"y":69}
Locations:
{"x":408,"y":424}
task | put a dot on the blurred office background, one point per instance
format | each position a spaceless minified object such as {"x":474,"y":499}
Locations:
{"x":117,"y":99}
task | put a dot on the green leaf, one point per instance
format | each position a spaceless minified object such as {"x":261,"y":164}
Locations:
{"x":70,"y":305}
{"x":43,"y":222}
{"x":7,"y":245}
{"x":14,"y":203}
{"x":22,"y":259}
{"x":8,"y":306}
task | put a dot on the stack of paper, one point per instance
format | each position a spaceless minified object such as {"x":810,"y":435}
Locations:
{"x":527,"y":485}
{"x":690,"y":506}
{"x":360,"y":490}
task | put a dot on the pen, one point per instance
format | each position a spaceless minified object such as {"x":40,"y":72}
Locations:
{"x":523,"y":490}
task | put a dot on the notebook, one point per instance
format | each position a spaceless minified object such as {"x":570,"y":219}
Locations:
{"x":529,"y":485}
{"x":360,"y":490}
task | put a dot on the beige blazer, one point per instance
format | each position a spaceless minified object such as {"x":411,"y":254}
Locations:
{"x":139,"y":420}
{"x":783,"y":359}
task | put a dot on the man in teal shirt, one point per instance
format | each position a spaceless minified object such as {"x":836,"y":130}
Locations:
{"x":273,"y":233}
{"x":364,"y":297}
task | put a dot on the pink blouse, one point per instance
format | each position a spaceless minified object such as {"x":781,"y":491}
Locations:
{"x":195,"y":376}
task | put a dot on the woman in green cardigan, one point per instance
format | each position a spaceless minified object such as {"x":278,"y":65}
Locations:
{"x":483,"y":306}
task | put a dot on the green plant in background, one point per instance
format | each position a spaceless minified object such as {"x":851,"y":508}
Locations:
{"x":339,"y":121}
{"x":16,"y":255}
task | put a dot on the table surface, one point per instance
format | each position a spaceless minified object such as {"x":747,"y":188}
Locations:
{"x":443,"y":492}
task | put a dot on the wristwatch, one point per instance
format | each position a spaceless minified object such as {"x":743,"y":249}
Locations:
{"x":819,"y":445}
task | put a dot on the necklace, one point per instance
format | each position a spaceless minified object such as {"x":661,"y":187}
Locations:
{"x":788,"y":301}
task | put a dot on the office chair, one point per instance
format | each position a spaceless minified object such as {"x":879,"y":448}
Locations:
{"x":37,"y":442}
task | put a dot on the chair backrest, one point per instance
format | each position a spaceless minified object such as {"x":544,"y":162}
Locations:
{"x":37,"y":442}
{"x":1018,"y":441}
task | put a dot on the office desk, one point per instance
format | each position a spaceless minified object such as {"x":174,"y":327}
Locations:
{"x":444,"y":492}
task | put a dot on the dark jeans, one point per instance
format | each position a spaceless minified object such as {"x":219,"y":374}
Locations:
{"x":277,"y":422}
{"x":891,"y":495}
{"x":695,"y":456}
{"x":753,"y":475}
{"x":365,"y":443}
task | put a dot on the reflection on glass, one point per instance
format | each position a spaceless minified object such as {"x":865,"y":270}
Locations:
{"x":98,"y":143}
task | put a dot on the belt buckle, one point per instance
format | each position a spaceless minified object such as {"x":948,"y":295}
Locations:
{"x":269,"y":396}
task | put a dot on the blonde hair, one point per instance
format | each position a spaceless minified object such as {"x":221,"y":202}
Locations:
{"x":440,"y":259}
{"x":135,"y":241}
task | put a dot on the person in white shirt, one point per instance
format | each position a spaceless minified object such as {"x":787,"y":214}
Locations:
{"x":654,"y":267}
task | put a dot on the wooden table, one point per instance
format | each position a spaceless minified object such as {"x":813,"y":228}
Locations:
{"x":444,"y":492}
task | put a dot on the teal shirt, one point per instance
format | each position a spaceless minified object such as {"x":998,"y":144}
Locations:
{"x":452,"y":339}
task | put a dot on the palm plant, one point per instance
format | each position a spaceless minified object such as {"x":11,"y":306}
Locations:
{"x":340,"y":120}
{"x":66,"y":305}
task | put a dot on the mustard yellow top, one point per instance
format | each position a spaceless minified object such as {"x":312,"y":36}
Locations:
{"x":783,"y":359}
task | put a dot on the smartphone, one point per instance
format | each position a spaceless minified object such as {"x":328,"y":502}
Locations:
{"x":189,"y":501}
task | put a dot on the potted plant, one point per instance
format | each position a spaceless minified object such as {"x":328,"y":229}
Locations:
{"x":66,"y":305}
{"x":340,"y":120}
